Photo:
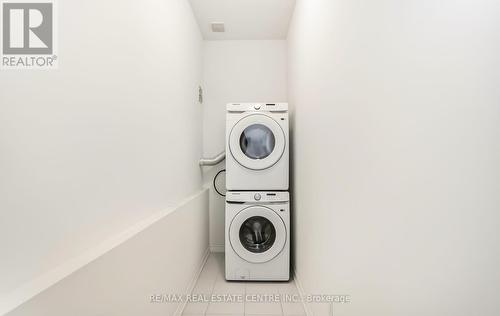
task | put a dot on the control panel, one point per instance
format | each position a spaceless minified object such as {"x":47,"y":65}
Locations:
{"x":260,"y":107}
{"x":257,"y":196}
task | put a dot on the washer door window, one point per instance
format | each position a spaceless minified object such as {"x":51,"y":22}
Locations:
{"x":257,"y":142}
{"x":257,"y":234}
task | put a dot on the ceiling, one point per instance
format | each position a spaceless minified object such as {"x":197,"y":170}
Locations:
{"x":244,"y":19}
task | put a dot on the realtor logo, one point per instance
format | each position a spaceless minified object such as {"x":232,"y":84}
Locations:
{"x":28,"y":30}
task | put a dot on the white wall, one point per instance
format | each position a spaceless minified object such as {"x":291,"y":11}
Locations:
{"x":396,"y":154}
{"x":109,"y":138}
{"x":236,"y":71}
{"x":162,"y":259}
{"x":239,"y":71}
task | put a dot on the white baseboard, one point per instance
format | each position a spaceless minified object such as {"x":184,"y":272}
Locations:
{"x":192,"y":283}
{"x":217,"y":248}
{"x":302,"y":293}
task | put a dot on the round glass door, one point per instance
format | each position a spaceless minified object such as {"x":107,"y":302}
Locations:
{"x":257,"y":141}
{"x":257,"y":234}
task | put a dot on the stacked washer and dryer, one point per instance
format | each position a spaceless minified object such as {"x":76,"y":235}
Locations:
{"x":257,"y":236}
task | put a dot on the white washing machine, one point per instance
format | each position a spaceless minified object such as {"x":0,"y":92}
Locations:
{"x":257,"y":236}
{"x":257,"y":146}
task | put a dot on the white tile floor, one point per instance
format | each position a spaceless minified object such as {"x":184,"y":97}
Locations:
{"x":212,"y":282}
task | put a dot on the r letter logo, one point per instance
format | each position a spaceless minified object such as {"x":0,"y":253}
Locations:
{"x":28,"y":31}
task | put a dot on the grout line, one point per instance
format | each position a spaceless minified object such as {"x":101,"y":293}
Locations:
{"x":194,"y":281}
{"x":298,"y":284}
{"x":213,"y":284}
{"x":244,"y":300}
{"x":281,"y":303}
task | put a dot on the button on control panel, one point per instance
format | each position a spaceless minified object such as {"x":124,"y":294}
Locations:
{"x":257,"y":197}
{"x":257,"y":106}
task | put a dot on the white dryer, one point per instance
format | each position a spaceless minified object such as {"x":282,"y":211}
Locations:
{"x":257,"y":233}
{"x":257,"y":146}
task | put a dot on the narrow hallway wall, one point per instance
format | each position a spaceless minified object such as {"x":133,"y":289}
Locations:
{"x":123,"y":281}
{"x":396,"y":154}
{"x":111,"y":137}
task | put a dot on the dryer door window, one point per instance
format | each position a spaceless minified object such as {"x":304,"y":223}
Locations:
{"x":257,"y":234}
{"x":257,"y":142}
